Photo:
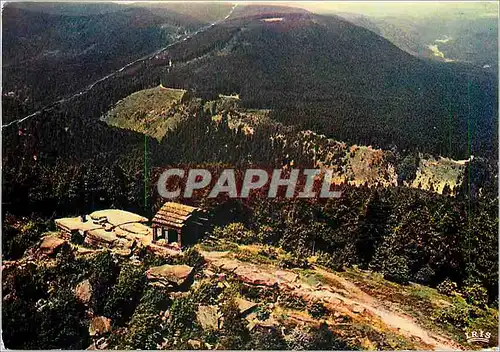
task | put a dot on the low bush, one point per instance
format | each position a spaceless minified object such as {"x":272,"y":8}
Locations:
{"x":235,"y":232}
{"x":104,"y":273}
{"x":262,"y":294}
{"x":291,"y":301}
{"x":459,"y":315}
{"x":317,"y":310}
{"x":476,"y":295}
{"x":266,"y":339}
{"x":192,"y":258}
{"x":126,"y":294}
{"x":263,"y":312}
{"x":334,"y":261}
{"x":182,"y":316}
{"x":235,"y":334}
{"x":269,"y":252}
{"x":266,"y":235}
{"x":425,"y":275}
{"x":207,"y":292}
{"x":290,"y":261}
{"x":447,"y":287}
{"x":395,"y":269}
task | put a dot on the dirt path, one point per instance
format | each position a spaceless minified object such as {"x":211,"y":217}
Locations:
{"x":342,"y":296}
{"x":405,"y":324}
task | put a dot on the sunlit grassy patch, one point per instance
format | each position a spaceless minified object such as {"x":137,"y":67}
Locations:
{"x":150,"y":111}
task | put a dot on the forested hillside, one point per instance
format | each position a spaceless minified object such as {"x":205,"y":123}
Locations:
{"x":64,"y":48}
{"x":325,"y":74}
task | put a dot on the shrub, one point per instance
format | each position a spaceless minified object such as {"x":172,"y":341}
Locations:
{"x":104,"y":272}
{"x":150,"y":259}
{"x":234,"y":330}
{"x":459,"y":314}
{"x":207,"y":292}
{"x":425,"y":275}
{"x":290,"y":261}
{"x":476,"y":295}
{"x":235,"y":232}
{"x":15,"y":241}
{"x":182,"y":314}
{"x":70,"y":270}
{"x":62,"y":323}
{"x":263,"y":294}
{"x":291,"y":301}
{"x":143,"y":332}
{"x":126,"y":294}
{"x":299,"y":340}
{"x":266,"y":235}
{"x":447,"y":287}
{"x":193,"y":258}
{"x":263,"y":312}
{"x":269,"y":252}
{"x":395,"y":269}
{"x":333,"y":261}
{"x":154,"y":299}
{"x":322,"y":338}
{"x":317,"y":310}
{"x":266,"y":339}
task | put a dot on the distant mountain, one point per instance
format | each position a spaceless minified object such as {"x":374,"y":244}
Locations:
{"x":329,"y":75}
{"x":53,"y":49}
{"x":473,"y":40}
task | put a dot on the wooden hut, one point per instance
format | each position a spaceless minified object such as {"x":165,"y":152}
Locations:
{"x":179,"y":223}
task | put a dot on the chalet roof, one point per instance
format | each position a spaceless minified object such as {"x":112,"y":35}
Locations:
{"x":117,"y":217}
{"x":174,"y":214}
{"x":108,"y":218}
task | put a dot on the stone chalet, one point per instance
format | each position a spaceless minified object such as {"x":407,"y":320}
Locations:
{"x":173,"y":226}
{"x":178,"y":223}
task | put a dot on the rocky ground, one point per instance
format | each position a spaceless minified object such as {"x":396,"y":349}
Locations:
{"x":360,"y":308}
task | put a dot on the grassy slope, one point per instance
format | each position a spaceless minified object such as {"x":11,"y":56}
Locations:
{"x":150,"y":111}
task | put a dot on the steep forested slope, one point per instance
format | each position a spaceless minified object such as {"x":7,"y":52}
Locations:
{"x":51,"y":50}
{"x":334,"y":77}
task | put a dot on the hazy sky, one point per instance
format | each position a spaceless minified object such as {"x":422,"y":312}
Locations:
{"x":394,"y":8}
{"x":384,"y":8}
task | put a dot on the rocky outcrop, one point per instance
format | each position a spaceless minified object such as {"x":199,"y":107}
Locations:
{"x":169,"y":275}
{"x":194,"y":344}
{"x":100,"y":238}
{"x":50,"y":245}
{"x":208,"y":317}
{"x":99,"y":326}
{"x":250,"y":273}
{"x":245,"y":306}
{"x":83,"y":291}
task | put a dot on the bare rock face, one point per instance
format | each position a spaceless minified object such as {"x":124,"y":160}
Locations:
{"x":169,"y":274}
{"x":83,"y":291}
{"x":99,"y":326}
{"x":208,"y":317}
{"x":51,"y":244}
{"x":194,"y":344}
{"x":100,"y":238}
{"x":245,"y":306}
{"x":253,"y":274}
{"x":358,"y":309}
